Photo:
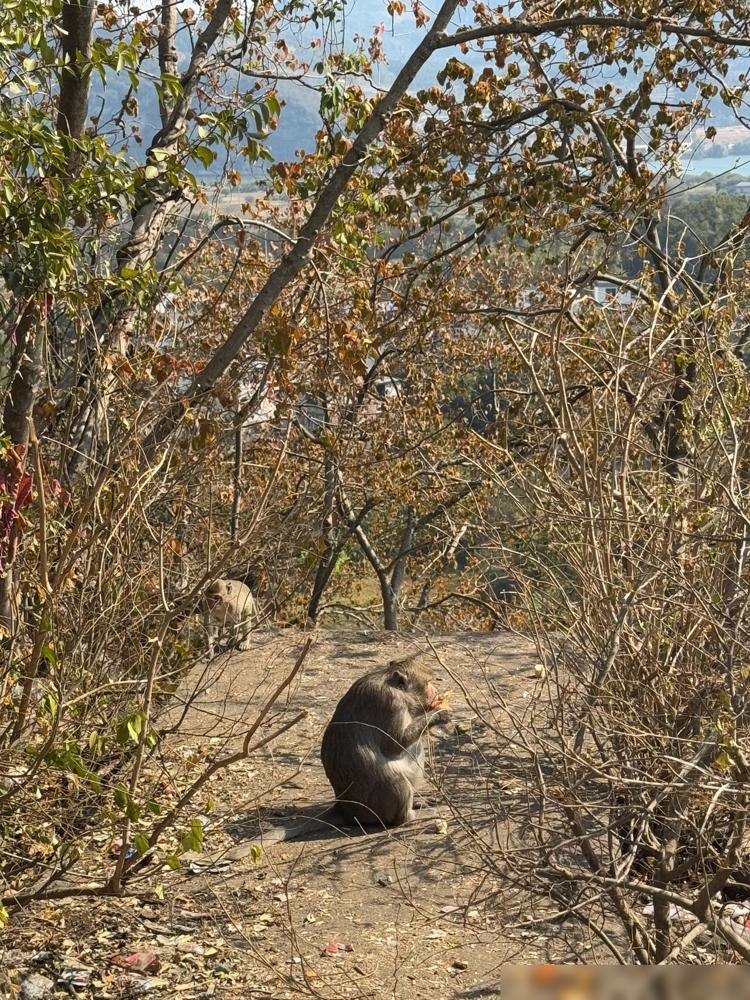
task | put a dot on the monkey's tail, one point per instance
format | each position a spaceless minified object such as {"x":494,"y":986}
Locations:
{"x":331,"y":819}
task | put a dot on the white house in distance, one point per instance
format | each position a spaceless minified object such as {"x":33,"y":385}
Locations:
{"x":606,"y":293}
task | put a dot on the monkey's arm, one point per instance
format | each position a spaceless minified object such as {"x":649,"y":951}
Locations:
{"x":416,"y":729}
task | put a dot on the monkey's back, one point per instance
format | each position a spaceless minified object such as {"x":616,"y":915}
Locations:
{"x":360,"y":752}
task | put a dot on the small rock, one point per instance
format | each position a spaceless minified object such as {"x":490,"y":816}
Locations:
{"x":384,"y":879}
{"x":459,"y":965}
{"x":37,"y":987}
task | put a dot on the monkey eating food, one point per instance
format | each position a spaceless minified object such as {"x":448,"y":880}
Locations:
{"x":372,"y":748}
{"x":230,"y":606}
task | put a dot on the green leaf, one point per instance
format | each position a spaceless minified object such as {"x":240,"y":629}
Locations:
{"x":3,"y":917}
{"x":49,"y":655}
{"x":151,"y":172}
{"x":723,"y":761}
{"x":141,"y":844}
{"x":121,"y":797}
{"x":205,"y":155}
{"x":190,"y":843}
{"x":173,"y":862}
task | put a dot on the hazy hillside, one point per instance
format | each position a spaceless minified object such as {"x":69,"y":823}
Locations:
{"x":300,"y":119}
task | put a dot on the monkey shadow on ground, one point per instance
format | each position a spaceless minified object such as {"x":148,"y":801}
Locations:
{"x":320,"y":827}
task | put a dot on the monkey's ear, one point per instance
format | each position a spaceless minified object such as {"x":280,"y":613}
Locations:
{"x":398,"y":679}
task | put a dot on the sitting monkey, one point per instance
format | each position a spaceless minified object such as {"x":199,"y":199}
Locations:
{"x":372,"y":748}
{"x":230,"y":606}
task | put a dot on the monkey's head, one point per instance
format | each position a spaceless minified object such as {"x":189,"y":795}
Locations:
{"x":218,"y":591}
{"x":412,"y":677}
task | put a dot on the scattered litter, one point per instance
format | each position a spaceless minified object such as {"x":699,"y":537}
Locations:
{"x":139,"y":987}
{"x":675,"y":913}
{"x":187,"y":947}
{"x":539,"y":670}
{"x":336,"y":948}
{"x":310,"y":918}
{"x":739,"y":915}
{"x":441,"y":826}
{"x":138,"y":961}
{"x":115,"y":849}
{"x":208,"y":867}
{"x":43,"y":958}
{"x":74,"y":979}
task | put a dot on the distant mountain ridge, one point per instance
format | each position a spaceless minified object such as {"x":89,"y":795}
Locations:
{"x":300,"y":119}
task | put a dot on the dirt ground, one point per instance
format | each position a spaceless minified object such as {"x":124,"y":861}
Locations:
{"x":422,"y":912}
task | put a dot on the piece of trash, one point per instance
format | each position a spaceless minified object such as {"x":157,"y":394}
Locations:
{"x":115,"y":849}
{"x":189,"y":947}
{"x":441,"y":826}
{"x":310,"y":918}
{"x":384,"y":879}
{"x":139,"y":987}
{"x":539,"y":670}
{"x":208,"y":867}
{"x":77,"y":979}
{"x":43,"y":958}
{"x":675,"y":913}
{"x":138,"y":961}
{"x":336,"y":948}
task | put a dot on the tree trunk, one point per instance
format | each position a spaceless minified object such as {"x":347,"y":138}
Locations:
{"x":19,"y":405}
{"x":331,"y":552}
{"x":390,"y":606}
{"x":167,"y":54}
{"x":77,"y":18}
{"x":236,"y":481}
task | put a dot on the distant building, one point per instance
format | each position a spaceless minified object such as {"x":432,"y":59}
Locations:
{"x":606,"y":293}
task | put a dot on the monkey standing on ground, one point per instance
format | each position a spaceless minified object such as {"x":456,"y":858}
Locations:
{"x":372,"y":748}
{"x":231,"y":607}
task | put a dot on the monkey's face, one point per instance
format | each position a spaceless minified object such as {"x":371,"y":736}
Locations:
{"x":415,"y":681}
{"x":217,"y":592}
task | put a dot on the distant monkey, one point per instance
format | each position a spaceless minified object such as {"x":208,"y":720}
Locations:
{"x":372,"y":748}
{"x":230,"y":607}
